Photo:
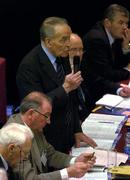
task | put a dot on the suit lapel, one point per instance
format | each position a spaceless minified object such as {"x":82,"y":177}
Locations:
{"x":36,"y":154}
{"x":1,"y":163}
{"x":105,"y":37}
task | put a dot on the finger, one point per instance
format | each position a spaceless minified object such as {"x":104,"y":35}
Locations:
{"x":91,"y":142}
{"x":123,"y":85}
{"x":77,"y":143}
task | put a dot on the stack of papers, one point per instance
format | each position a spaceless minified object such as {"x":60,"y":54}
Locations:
{"x":124,"y":104}
{"x":114,"y":101}
{"x":110,"y":100}
{"x":93,"y":176}
{"x":103,"y":128}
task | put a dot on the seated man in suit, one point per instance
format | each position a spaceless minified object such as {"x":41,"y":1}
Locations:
{"x":107,"y":53}
{"x":85,"y":102}
{"x":15,"y":144}
{"x":35,"y":112}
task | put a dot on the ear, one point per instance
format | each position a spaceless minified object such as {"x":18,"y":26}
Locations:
{"x":107,"y":23}
{"x":48,"y":42}
{"x":29,"y":113}
{"x":11,"y":148}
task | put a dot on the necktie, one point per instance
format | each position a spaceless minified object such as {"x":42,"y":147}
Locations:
{"x":60,"y":70}
{"x":113,"y":51}
{"x":10,"y":173}
{"x":81,"y":98}
{"x":61,"y":75}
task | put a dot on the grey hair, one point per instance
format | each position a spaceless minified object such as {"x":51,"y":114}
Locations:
{"x":111,"y":11}
{"x":47,"y":28}
{"x":15,"y":133}
{"x":33,"y":100}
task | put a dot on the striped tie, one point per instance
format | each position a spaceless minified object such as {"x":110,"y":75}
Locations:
{"x":60,"y":70}
{"x":81,"y":98}
{"x":61,"y":76}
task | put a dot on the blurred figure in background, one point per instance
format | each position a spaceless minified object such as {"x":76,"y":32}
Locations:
{"x":86,"y":103}
{"x":107,"y":53}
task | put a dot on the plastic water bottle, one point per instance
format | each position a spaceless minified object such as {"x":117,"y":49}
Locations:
{"x":127,"y":144}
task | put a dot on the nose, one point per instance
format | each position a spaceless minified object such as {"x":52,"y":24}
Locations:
{"x":78,"y":53}
{"x":48,"y":121}
{"x":125,"y":26}
{"x":67,"y":43}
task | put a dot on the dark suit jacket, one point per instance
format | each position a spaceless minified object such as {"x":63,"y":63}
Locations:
{"x":102,"y":66}
{"x":87,"y":105}
{"x":36,"y":73}
{"x":34,"y":168}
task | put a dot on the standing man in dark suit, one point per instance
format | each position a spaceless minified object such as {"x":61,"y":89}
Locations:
{"x":107,"y":53}
{"x":38,"y":72}
{"x":15,"y":144}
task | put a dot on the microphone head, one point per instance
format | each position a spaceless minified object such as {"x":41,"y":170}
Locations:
{"x":76,"y":63}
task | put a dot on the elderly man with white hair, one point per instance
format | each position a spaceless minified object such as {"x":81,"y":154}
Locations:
{"x":15,"y":145}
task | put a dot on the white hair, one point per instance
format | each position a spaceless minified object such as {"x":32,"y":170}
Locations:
{"x":15,"y":133}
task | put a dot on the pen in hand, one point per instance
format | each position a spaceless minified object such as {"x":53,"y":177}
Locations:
{"x":92,"y":156}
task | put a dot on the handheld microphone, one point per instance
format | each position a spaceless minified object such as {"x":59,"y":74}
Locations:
{"x":76,"y":63}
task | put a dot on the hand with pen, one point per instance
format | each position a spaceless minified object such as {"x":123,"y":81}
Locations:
{"x":83,"y":163}
{"x":86,"y":158}
{"x":125,"y":90}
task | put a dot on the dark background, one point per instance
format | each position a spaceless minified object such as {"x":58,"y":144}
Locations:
{"x":20,"y":22}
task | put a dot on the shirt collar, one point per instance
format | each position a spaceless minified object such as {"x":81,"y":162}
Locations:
{"x":111,"y":39}
{"x":48,"y":53}
{"x":4,"y":162}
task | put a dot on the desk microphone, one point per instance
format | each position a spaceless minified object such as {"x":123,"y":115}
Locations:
{"x":76,"y":63}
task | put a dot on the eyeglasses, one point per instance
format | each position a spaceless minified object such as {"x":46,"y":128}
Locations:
{"x":45,"y":116}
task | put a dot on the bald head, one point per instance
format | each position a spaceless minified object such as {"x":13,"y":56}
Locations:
{"x":36,"y":110}
{"x":33,"y":101}
{"x":75,"y":38}
{"x":76,"y":46}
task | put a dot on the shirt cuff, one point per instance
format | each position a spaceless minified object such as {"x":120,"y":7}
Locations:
{"x":72,"y":161}
{"x":126,"y":51}
{"x":64,"y":174}
{"x":118,"y":91}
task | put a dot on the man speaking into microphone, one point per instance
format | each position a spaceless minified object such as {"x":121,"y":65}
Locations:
{"x":43,"y":69}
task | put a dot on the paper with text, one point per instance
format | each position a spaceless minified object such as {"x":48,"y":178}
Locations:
{"x":102,"y":155}
{"x":93,"y":176}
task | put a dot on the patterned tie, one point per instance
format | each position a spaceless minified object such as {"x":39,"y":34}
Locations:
{"x":81,"y":98}
{"x":61,"y":76}
{"x":113,"y":51}
{"x":11,"y":175}
{"x":60,"y":70}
